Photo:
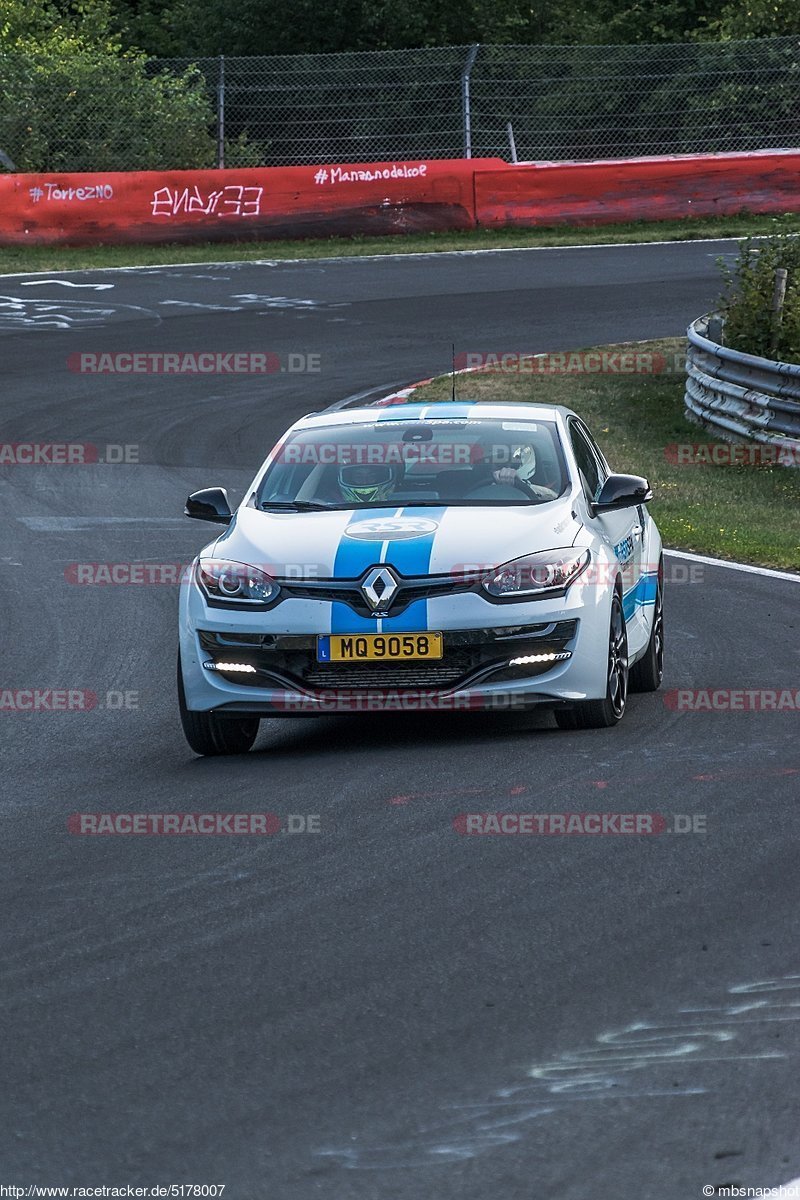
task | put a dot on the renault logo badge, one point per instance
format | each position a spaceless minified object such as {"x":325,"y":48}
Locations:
{"x":378,"y":588}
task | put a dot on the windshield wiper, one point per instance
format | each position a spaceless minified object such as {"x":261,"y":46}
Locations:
{"x":295,"y":506}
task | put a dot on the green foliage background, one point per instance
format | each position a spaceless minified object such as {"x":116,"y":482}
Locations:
{"x":180,"y":28}
{"x":73,"y":98}
{"x":747,"y":303}
{"x":83,"y":87}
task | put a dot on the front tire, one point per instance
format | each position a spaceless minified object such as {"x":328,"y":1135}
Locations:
{"x":208,"y":734}
{"x":602,"y":714}
{"x":647,"y":673}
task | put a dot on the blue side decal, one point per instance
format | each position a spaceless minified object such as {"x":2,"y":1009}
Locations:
{"x":641,"y":595}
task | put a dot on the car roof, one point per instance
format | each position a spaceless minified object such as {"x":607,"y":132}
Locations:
{"x":439,"y":410}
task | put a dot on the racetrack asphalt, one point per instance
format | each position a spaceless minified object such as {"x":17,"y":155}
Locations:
{"x":386,"y":1009}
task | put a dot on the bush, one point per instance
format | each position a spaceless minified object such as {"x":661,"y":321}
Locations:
{"x":747,"y":303}
{"x":70,"y":100}
{"x":241,"y":151}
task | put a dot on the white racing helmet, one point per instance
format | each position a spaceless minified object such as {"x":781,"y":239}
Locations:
{"x":523,"y":460}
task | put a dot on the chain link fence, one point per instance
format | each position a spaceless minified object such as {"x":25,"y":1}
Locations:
{"x":533,"y":102}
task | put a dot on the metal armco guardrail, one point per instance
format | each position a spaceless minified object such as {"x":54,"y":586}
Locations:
{"x":741,"y":395}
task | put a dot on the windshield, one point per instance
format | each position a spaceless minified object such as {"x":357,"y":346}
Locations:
{"x":416,"y":463}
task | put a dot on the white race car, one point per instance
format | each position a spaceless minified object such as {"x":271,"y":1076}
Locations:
{"x":413,"y":557}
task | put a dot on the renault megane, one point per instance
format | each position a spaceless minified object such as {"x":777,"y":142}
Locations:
{"x":442,"y":556}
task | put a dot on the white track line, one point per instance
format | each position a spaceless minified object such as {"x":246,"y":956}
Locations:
{"x":734,"y":566}
{"x":278,"y":262}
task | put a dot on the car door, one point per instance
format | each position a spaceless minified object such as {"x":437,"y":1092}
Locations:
{"x":622,"y":529}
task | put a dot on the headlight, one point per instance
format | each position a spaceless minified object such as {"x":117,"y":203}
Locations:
{"x":235,"y":583}
{"x":550,"y":571}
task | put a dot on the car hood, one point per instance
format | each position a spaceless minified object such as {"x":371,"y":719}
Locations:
{"x":415,"y":541}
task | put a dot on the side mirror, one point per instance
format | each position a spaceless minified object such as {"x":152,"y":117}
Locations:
{"x":623,"y":491}
{"x":211,"y":504}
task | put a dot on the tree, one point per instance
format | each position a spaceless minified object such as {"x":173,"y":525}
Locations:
{"x":71,"y":99}
{"x":757,"y":18}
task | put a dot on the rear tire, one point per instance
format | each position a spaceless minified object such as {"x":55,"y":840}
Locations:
{"x":208,"y":734}
{"x":602,"y":714}
{"x":647,"y":673}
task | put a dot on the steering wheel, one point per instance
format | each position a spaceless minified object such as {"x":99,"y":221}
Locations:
{"x":536,"y":490}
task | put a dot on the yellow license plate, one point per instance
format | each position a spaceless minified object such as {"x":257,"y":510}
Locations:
{"x":379,"y":647}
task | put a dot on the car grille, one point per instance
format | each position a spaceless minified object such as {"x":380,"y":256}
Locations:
{"x":348,"y":591}
{"x":391,"y":675}
{"x":469,"y":656}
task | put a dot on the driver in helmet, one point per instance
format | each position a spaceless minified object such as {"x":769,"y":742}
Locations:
{"x":520,"y":469}
{"x":368,"y":483}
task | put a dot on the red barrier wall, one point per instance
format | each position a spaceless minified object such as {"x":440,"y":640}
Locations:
{"x":690,"y":185}
{"x":379,"y":198}
{"x":264,"y":202}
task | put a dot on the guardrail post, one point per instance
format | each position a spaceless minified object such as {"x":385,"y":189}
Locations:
{"x":465,"y":100}
{"x":221,"y":114}
{"x":512,"y":145}
{"x":778,"y":297}
{"x":715,"y":328}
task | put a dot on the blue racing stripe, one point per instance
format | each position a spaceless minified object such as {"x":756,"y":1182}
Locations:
{"x":412,"y":556}
{"x":446,"y":408}
{"x":353,"y":557}
{"x":409,"y":558}
{"x":413,"y":620}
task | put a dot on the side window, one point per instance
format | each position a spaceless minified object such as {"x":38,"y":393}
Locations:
{"x":598,"y":453}
{"x":592,"y":474}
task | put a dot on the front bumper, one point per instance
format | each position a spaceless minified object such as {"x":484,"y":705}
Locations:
{"x":563,"y":642}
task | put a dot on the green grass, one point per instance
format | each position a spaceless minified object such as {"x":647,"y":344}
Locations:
{"x":746,"y":514}
{"x":64,"y":258}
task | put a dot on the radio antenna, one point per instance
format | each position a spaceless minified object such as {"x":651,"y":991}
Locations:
{"x":453,"y":372}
